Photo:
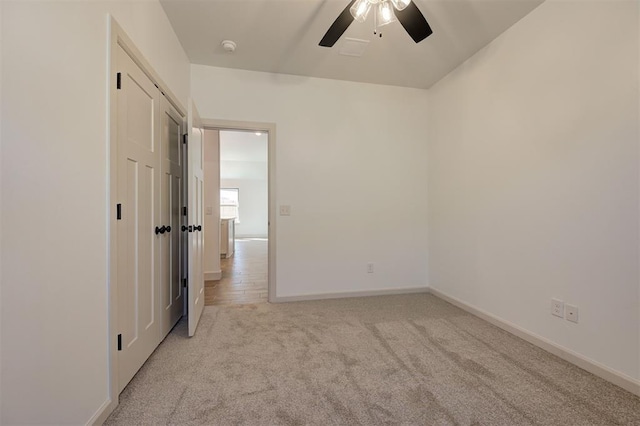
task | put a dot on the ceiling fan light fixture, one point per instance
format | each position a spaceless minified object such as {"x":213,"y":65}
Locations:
{"x":360,"y":10}
{"x":385,"y":13}
{"x":400,"y":4}
{"x":411,"y":19}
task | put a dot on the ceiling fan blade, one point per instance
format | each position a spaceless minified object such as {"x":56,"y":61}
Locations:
{"x":338,"y":27}
{"x":414,"y":23}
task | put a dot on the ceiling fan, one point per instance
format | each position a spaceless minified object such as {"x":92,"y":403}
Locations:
{"x":385,"y":12}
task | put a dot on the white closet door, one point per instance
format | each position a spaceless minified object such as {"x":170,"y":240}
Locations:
{"x":171,"y":261}
{"x":138,"y":169}
{"x":195,"y":176}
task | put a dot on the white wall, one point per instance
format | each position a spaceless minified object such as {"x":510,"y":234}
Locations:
{"x":211,"y":261}
{"x":350,"y":161}
{"x":533,"y":178}
{"x":54,"y":196}
{"x":253,"y":206}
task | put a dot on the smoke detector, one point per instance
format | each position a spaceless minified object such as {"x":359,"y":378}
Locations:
{"x":228,"y":45}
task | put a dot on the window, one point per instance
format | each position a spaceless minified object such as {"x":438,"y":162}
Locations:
{"x":230,"y":203}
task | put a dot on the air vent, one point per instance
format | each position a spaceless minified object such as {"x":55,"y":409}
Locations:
{"x":353,"y":47}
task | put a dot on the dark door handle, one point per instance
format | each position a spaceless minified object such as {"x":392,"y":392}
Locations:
{"x":160,"y":230}
{"x":169,"y":228}
{"x":197,"y":228}
{"x":184,"y":228}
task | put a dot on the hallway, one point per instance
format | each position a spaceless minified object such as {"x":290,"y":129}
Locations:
{"x":244,"y":275}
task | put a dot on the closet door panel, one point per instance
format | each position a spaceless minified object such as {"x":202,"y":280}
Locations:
{"x":138,"y":172}
{"x":171,"y":215}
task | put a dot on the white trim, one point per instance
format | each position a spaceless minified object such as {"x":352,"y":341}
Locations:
{"x":112,"y":134}
{"x":100,"y":416}
{"x":216,"y":124}
{"x":625,"y":382}
{"x":345,"y":294}
{"x":212,"y":275}
{"x":270,"y":129}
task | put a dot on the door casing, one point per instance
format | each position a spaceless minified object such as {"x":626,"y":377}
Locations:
{"x":270,"y":129}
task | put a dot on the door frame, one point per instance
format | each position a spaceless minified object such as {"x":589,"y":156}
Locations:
{"x":270,"y":129}
{"x":116,"y":36}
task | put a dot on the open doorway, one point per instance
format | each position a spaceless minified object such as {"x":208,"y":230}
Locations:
{"x":242,"y":191}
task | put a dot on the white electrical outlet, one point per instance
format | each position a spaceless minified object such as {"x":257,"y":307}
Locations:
{"x":557,"y":308}
{"x":370,"y":268}
{"x":571,"y":313}
{"x":285,"y":210}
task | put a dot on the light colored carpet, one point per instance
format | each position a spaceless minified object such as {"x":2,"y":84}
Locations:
{"x":410,"y":359}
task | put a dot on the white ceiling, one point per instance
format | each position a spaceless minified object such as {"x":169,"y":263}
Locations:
{"x":282,"y":36}
{"x":243,"y":146}
{"x":243,"y":155}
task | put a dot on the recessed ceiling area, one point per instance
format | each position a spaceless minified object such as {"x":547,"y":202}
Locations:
{"x":281,"y":36}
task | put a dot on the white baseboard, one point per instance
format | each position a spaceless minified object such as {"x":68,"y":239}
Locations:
{"x":340,"y":295}
{"x":100,"y":416}
{"x":625,"y":382}
{"x":212,"y":276}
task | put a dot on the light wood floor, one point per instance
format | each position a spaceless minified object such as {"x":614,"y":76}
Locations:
{"x":244,"y":275}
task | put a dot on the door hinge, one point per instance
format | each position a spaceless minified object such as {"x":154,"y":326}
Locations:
{"x":119,"y":81}
{"x":185,"y":138}
{"x":184,"y":282}
{"x":184,"y":211}
{"x":118,"y":211}
{"x":119,"y":342}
